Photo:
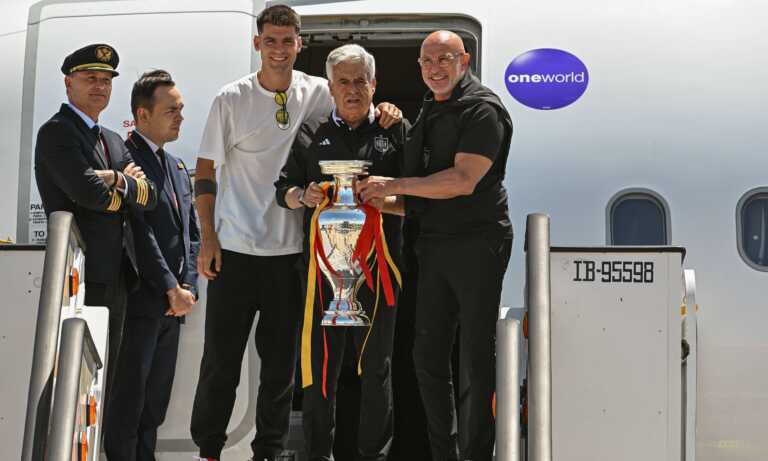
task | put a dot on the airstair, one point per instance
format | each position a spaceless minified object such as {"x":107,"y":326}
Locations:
{"x":611,"y":340}
{"x":63,"y":411}
{"x":600,"y":364}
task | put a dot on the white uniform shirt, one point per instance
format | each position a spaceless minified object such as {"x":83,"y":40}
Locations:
{"x":249,"y":149}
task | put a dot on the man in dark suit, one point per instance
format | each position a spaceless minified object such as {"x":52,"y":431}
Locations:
{"x":85,"y":169}
{"x":167,"y":242}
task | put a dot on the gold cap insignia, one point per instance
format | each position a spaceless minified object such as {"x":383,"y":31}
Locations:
{"x":104,"y":53}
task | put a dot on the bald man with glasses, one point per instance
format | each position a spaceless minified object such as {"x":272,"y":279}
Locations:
{"x":455,"y":160}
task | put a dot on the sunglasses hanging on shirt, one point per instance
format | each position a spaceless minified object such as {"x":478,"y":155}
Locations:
{"x":281,"y":116}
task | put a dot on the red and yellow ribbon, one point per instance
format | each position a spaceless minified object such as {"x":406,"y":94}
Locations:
{"x":371,"y":241}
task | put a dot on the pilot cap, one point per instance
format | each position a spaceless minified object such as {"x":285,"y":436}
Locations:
{"x":92,"y":57}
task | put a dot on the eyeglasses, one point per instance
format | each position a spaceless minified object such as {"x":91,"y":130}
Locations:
{"x":282,"y":116}
{"x":444,"y":60}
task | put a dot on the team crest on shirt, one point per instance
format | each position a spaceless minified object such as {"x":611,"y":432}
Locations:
{"x":381,"y":144}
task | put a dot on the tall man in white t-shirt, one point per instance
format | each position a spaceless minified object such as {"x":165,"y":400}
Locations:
{"x":250,"y":245}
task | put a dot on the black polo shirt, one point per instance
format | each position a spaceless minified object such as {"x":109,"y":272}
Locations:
{"x":334,"y":140}
{"x":474,"y":127}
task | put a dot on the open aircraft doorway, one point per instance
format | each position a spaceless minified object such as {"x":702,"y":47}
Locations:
{"x":395,"y":43}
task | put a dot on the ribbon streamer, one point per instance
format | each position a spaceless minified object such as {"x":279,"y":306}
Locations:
{"x":371,"y":243}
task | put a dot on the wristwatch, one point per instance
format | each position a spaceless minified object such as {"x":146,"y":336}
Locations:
{"x":301,"y":197}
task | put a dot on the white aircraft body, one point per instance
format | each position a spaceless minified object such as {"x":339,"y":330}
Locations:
{"x":671,"y":121}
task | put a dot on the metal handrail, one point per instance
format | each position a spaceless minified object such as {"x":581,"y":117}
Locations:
{"x":539,"y":338}
{"x":508,"y":389}
{"x":76,"y":344}
{"x":61,"y":228}
{"x":690,"y":367}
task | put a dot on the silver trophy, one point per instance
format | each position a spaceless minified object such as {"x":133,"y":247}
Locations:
{"x":340,"y":225}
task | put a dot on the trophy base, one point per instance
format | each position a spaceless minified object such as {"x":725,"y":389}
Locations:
{"x":345,"y":319}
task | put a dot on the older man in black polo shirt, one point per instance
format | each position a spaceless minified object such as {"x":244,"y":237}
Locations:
{"x":351,"y":133}
{"x":455,"y":159}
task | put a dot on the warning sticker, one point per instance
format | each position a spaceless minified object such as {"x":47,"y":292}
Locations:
{"x":38,"y":224}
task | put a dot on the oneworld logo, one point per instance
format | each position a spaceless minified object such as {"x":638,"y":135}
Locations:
{"x":546,"y":78}
{"x":573,"y":77}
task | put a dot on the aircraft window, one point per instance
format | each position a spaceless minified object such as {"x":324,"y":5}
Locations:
{"x":752,"y":223}
{"x":638,"y":217}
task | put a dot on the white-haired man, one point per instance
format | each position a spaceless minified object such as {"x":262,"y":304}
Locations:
{"x":350,"y":134}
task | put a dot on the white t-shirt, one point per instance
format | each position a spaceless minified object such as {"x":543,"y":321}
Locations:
{"x":248,"y":148}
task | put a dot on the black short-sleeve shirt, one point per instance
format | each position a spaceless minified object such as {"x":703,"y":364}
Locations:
{"x":472,"y":129}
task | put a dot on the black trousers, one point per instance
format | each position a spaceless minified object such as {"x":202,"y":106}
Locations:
{"x":460,"y":283}
{"x":142,"y":387}
{"x":115,"y":298}
{"x":245,"y":285}
{"x":376,"y":419}
{"x":410,"y":440}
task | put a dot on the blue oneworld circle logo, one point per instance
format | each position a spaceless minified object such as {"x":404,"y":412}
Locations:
{"x":546,"y":78}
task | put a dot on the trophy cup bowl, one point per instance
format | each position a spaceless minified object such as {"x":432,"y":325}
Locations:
{"x":339,"y":226}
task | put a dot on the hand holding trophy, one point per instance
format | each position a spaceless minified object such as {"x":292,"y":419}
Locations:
{"x":343,"y":235}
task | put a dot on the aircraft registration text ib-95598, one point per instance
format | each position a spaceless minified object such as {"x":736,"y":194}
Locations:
{"x":613,"y":271}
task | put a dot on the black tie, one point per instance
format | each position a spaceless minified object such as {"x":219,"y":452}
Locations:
{"x":164,"y":165}
{"x":161,"y":158}
{"x":169,"y":184}
{"x":100,"y":148}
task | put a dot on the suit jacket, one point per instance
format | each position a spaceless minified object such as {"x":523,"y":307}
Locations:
{"x":167,"y":238}
{"x":66,"y":155}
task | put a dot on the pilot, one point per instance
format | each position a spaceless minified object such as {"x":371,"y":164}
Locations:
{"x":455,"y":161}
{"x":84,"y":168}
{"x":350,"y":133}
